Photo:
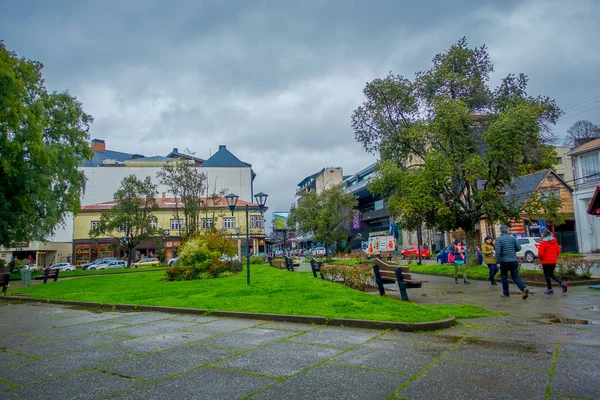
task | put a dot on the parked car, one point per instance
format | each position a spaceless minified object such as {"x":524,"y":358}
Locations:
{"x":63,"y":267}
{"x":173,"y":261}
{"x":97,"y":261}
{"x":318,"y":252}
{"x":147,"y":262}
{"x":442,"y":257}
{"x":529,"y":248}
{"x":412,"y":249}
{"x":112,"y":264}
{"x":234,"y":257}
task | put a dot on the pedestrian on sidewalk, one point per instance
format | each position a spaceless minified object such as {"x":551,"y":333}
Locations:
{"x":548,"y":252}
{"x":506,"y":248}
{"x":487,"y":249}
{"x":459,"y":257}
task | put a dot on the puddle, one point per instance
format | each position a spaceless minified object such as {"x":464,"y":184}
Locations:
{"x":570,"y":321}
{"x":446,"y":293}
{"x":593,"y":308}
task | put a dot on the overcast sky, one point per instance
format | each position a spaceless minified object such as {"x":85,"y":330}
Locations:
{"x":277,"y":81}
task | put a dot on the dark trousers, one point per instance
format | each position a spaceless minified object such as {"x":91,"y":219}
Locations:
{"x":549,"y":274}
{"x":513,"y":267}
{"x":493,"y":270}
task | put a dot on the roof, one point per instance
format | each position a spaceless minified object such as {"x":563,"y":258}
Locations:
{"x":225,"y":159}
{"x":176,"y":152}
{"x":524,"y":185}
{"x":151,"y":159}
{"x":594,"y":207}
{"x":167,"y":203}
{"x":309,"y":178}
{"x":589,"y":146}
{"x":106,"y":155}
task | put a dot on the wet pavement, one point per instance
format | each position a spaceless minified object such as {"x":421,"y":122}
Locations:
{"x":56,"y":352}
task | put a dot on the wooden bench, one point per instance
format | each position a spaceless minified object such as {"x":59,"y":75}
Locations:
{"x":316,"y":267}
{"x":4,"y":279}
{"x":386,"y":273}
{"x":51,"y":273}
{"x":290,"y":265}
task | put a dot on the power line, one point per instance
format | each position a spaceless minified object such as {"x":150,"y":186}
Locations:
{"x":582,"y":107}
{"x":575,"y":105}
{"x":581,"y":112}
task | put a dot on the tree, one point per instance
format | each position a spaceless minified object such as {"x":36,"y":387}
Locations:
{"x":43,"y":141}
{"x":325,"y":216}
{"x":547,"y":207}
{"x":450,"y":145}
{"x":131,"y":219}
{"x":186,"y":182}
{"x":582,"y":132}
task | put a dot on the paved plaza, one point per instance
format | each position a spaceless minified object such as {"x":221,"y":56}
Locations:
{"x":57,"y":352}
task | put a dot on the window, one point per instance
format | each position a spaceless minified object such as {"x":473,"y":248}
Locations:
{"x":154,"y":224}
{"x":207,"y":223}
{"x":256,"y":221}
{"x":550,"y":193}
{"x":95,"y":224}
{"x":558,"y":160}
{"x":176,"y":224}
{"x":590,"y":167}
{"x":123,"y":228}
{"x":228,"y":223}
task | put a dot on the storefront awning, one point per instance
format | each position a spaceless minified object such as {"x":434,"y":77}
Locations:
{"x":594,"y":207}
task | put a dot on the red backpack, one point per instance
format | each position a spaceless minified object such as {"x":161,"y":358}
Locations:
{"x":451,"y":255}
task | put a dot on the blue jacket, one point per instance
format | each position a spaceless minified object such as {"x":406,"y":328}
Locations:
{"x":506,"y":249}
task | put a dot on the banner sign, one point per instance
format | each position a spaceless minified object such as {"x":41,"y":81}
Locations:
{"x":378,"y":244}
{"x":356,"y":221}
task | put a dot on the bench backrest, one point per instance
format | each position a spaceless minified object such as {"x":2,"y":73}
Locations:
{"x":387,"y":270}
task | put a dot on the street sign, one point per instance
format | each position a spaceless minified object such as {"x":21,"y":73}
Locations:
{"x":542,"y":224}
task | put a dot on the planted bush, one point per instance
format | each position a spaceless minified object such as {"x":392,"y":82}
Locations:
{"x":256,"y":260}
{"x":355,"y":276}
{"x":572,"y":266}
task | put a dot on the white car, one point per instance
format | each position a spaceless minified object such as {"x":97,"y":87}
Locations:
{"x":63,"y":267}
{"x":319,"y":252}
{"x":225,"y":257}
{"x":172,"y":261}
{"x":112,"y":264}
{"x":529,"y":248}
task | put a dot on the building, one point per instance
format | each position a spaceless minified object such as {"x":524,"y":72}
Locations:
{"x":322,"y":180}
{"x":42,"y":253}
{"x":217,"y":216}
{"x":564,"y":166}
{"x":586,"y":168}
{"x":224,"y":171}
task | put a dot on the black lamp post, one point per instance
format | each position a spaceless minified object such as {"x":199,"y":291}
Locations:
{"x":261,"y":199}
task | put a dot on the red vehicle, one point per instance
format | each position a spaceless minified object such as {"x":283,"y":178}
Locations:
{"x":412,"y":249}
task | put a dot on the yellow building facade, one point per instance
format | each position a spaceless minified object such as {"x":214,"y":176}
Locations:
{"x":218,"y":216}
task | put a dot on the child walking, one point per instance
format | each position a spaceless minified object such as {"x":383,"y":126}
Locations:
{"x":548,"y":252}
{"x":487,"y":249}
{"x":459,"y":255}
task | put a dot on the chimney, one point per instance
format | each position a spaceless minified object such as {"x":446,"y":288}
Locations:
{"x":98,"y":145}
{"x":164,"y":195}
{"x":222,"y":147}
{"x":175,"y":150}
{"x":136,"y":156}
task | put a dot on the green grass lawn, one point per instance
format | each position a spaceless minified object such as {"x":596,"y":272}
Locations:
{"x":478,"y":272}
{"x":80,"y":272}
{"x":272,"y":291}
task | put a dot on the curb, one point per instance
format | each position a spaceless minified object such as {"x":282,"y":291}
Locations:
{"x":594,"y":281}
{"x":303,"y":319}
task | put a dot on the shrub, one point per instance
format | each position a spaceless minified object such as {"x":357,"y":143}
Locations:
{"x":179,"y":273}
{"x":411,"y":258}
{"x":357,"y":276}
{"x":574,"y":267}
{"x":161,"y":255}
{"x":256,"y":260}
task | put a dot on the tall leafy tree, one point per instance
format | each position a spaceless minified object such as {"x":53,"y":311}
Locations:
{"x":186,"y":182}
{"x":43,"y":141}
{"x":325,"y":216}
{"x":131,"y":220}
{"x":450,"y":145}
{"x":582,"y":132}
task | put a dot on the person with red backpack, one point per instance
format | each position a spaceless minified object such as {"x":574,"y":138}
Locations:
{"x":457,"y":256}
{"x":548,"y":252}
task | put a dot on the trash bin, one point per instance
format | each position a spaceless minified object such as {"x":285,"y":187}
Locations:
{"x":25,"y":278}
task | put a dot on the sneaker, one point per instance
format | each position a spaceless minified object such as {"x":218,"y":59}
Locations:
{"x":494,"y":283}
{"x":564,"y":287}
{"x":504,"y":296}
{"x":467,"y":282}
{"x":525,"y":293}
{"x":549,"y":291}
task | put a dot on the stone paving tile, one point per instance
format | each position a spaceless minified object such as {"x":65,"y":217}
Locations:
{"x":8,"y":359}
{"x":157,"y":342}
{"x":577,"y":377}
{"x":83,"y":385}
{"x":132,"y":318}
{"x":68,"y":345}
{"x":417,"y":337}
{"x":204,"y":383}
{"x":290,"y":326}
{"x":152,"y":328}
{"x":77,"y":330}
{"x":279,"y":359}
{"x":335,"y":382}
{"x":22,"y":328}
{"x":23,"y":374}
{"x":193,"y":318}
{"x":393,"y":356}
{"x":223,"y":325}
{"x":247,"y":338}
{"x":516,"y":354}
{"x":77,"y":320}
{"x":167,"y":362}
{"x":340,"y":337}
{"x":447,"y":380}
{"x":569,"y":350}
{"x":20,"y":340}
{"x":4,"y":387}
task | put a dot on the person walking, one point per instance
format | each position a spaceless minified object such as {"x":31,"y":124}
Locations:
{"x":459,"y":255}
{"x":487,"y":249}
{"x":548,"y":252}
{"x":506,"y":248}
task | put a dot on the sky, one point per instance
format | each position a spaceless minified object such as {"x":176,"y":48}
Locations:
{"x":277,"y":81}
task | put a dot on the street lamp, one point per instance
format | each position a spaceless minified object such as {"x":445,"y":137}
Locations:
{"x":261,"y":199}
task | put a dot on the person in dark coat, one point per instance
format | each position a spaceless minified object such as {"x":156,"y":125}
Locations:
{"x":506,"y":248}
{"x":548,"y":252}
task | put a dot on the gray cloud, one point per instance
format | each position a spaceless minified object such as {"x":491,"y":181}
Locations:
{"x":277,"y":81}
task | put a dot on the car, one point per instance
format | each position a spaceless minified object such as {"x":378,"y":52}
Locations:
{"x":529,"y":248}
{"x":442,"y":257}
{"x":319,"y":252}
{"x":234,"y":257}
{"x":97,"y":261}
{"x":63,"y":267}
{"x":173,"y":261}
{"x":412,"y":249}
{"x":147,"y":262}
{"x":112,"y":264}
